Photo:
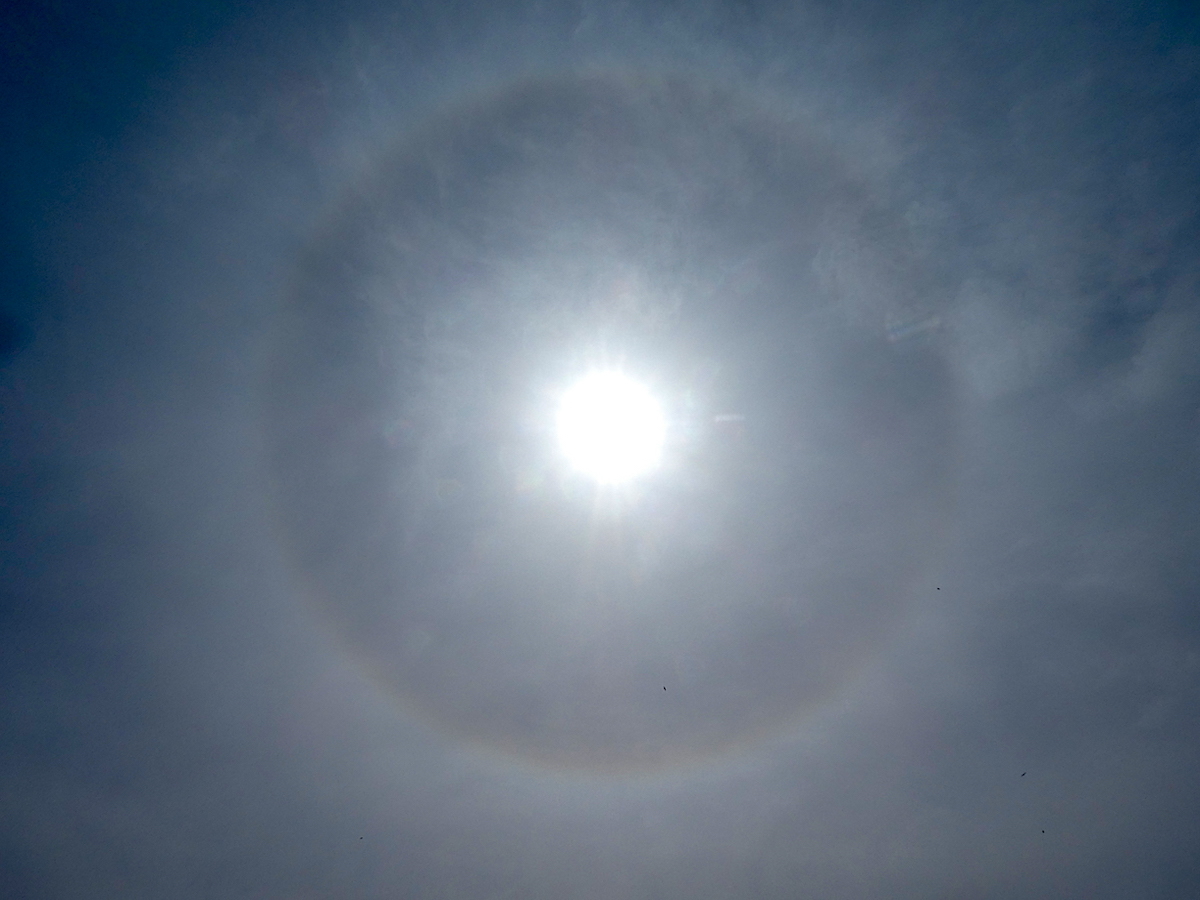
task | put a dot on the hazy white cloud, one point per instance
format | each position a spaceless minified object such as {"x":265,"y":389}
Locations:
{"x":300,"y":601}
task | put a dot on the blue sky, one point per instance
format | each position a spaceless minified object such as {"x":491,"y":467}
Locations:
{"x":302,"y":600}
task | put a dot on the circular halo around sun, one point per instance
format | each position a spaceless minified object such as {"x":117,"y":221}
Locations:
{"x":610,"y":428}
{"x":419,"y":368}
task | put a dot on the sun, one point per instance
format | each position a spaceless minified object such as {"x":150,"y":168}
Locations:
{"x":610,"y":428}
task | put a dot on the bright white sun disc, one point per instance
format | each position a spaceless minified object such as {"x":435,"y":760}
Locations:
{"x":610,"y":427}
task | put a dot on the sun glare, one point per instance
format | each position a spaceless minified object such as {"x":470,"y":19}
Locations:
{"x":610,"y":428}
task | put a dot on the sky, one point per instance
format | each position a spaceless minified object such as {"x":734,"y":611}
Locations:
{"x":300,"y":597}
